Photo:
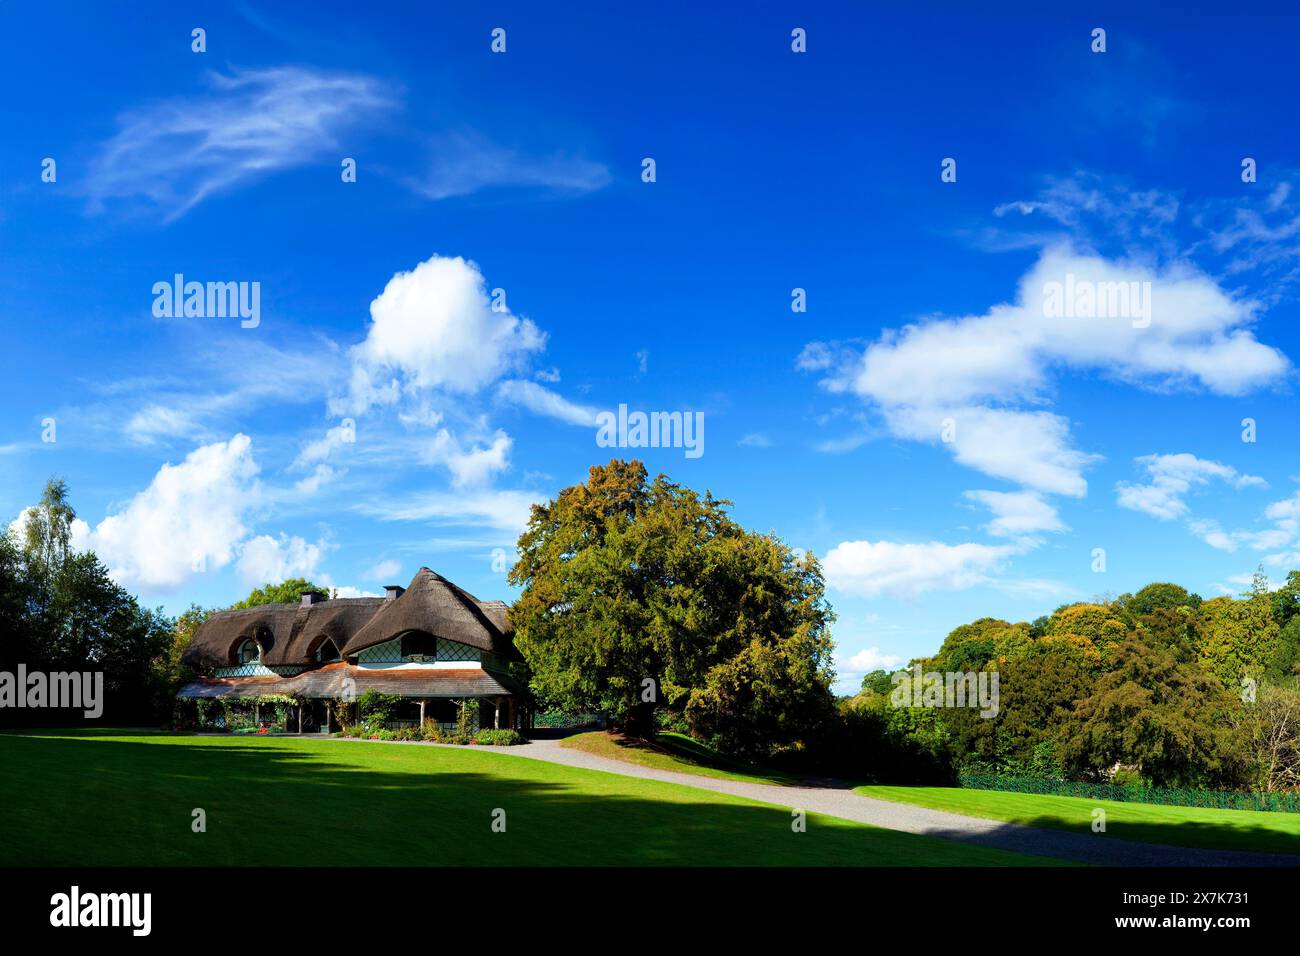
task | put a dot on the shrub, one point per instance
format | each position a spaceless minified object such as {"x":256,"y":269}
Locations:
{"x":499,"y":738}
{"x":381,"y":708}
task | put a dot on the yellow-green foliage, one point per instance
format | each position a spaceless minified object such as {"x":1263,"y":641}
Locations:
{"x":1235,"y":637}
{"x":1096,"y":622}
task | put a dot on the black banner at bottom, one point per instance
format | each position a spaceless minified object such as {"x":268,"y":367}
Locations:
{"x":343,"y":906}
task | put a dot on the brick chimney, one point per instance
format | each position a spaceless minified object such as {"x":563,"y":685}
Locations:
{"x":393,"y":591}
{"x":312,"y":597}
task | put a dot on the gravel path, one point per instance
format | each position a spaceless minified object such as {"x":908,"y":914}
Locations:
{"x":840,"y":801}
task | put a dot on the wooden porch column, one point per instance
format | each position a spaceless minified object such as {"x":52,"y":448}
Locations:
{"x":496,"y":713}
{"x":328,"y":729}
{"x":510,"y":710}
{"x":300,"y":717}
{"x":421,"y":713}
{"x":257,"y":713}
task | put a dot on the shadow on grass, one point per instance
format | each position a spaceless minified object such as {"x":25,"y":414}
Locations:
{"x":1235,"y":837}
{"x":1139,"y":842}
{"x":279,"y":801}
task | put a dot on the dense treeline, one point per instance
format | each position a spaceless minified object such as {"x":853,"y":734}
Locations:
{"x":1158,"y":687}
{"x":61,"y":612}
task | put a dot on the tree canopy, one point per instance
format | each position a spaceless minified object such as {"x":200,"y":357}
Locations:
{"x":286,"y":592}
{"x":641,"y":594}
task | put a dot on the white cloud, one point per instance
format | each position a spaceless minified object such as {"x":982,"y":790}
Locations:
{"x":435,"y":327}
{"x":542,"y":401}
{"x":176,"y":153}
{"x":266,"y":560}
{"x":321,"y":475}
{"x":155,"y":422}
{"x":871,"y":569}
{"x":981,"y":370}
{"x":1017,"y":513}
{"x":755,"y":440}
{"x":384,"y":570}
{"x":347,"y":590}
{"x":865,"y":661}
{"x":1030,"y":448}
{"x":192,"y":516}
{"x":320,"y":449}
{"x":472,"y":466}
{"x":1172,"y":478}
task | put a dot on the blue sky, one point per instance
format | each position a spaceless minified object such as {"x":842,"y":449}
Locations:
{"x":204,"y":457}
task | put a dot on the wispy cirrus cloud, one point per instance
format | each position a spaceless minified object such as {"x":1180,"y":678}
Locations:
{"x":462,"y":163}
{"x":173,"y":154}
{"x":541,"y":400}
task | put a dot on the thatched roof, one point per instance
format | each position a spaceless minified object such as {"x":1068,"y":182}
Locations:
{"x":348,"y":681}
{"x":290,"y":634}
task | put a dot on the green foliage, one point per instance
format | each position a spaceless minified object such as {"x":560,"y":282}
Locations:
{"x":972,"y":646}
{"x":627,"y":581}
{"x":286,"y":592}
{"x":60,"y":611}
{"x":1160,"y":596}
{"x":47,"y":528}
{"x":1165,"y":718}
{"x":1236,"y":638}
{"x":768,"y":693}
{"x":877,"y":682}
{"x":1098,"y":624}
{"x":378,"y":708}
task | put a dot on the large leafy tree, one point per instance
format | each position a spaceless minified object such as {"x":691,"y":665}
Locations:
{"x":640,"y":593}
{"x":1171,"y":720}
{"x":1237,"y":637}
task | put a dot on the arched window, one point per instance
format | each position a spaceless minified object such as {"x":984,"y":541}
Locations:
{"x":249,"y":652}
{"x":327,"y":652}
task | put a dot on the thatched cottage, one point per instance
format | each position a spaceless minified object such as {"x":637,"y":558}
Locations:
{"x":431,"y":643}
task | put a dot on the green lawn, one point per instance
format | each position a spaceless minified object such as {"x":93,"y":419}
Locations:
{"x":124,"y":797}
{"x":677,"y":752}
{"x":1144,"y":822}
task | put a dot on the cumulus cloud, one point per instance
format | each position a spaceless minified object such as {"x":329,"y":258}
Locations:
{"x":972,"y":382}
{"x":469,"y":466}
{"x":1017,"y":513}
{"x":873,"y":568}
{"x":1172,"y":479}
{"x":435,"y":327}
{"x":267,"y":560}
{"x":192,"y":517}
{"x":384,"y":570}
{"x":865,"y":661}
{"x":174,"y":154}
